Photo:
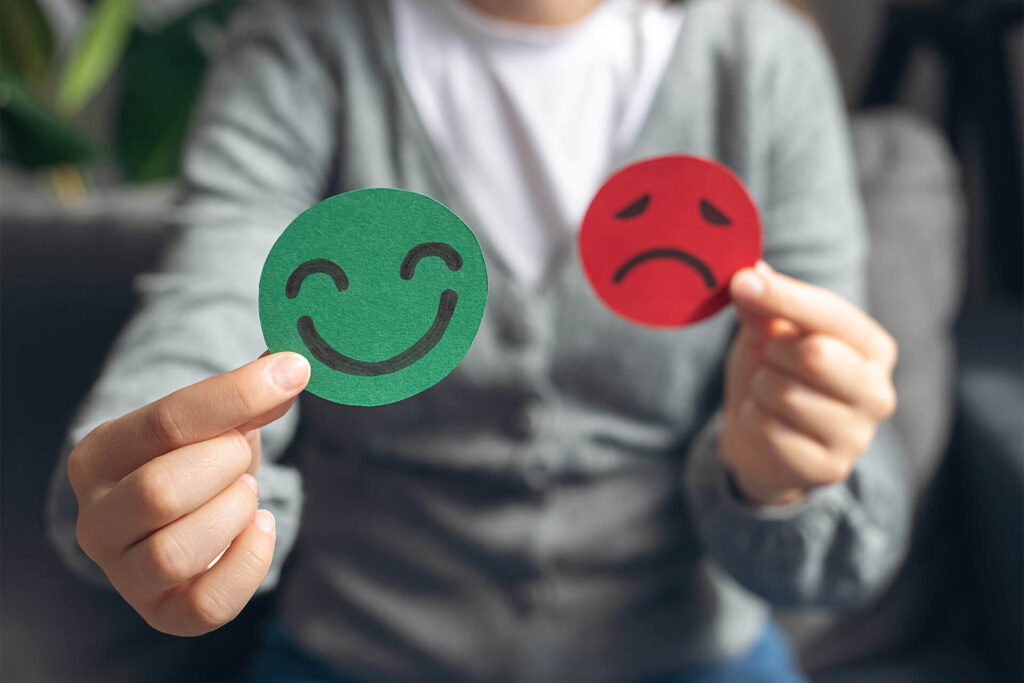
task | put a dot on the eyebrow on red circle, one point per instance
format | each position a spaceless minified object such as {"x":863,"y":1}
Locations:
{"x":635,"y":208}
{"x":713,"y":215}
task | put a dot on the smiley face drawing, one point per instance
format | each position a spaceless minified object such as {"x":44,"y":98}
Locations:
{"x":382,"y":290}
{"x":663,"y":237}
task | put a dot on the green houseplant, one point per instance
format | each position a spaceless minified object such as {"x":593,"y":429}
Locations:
{"x":43,"y":89}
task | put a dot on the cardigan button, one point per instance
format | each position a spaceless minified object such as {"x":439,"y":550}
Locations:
{"x":530,"y":419}
{"x":537,"y":472}
{"x":537,"y":593}
{"x":514,"y":331}
{"x":533,"y":594}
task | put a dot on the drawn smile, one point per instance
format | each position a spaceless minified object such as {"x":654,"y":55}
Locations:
{"x":667,"y":253}
{"x":329,"y":356}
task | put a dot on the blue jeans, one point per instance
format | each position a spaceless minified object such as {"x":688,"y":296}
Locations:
{"x":768,"y":661}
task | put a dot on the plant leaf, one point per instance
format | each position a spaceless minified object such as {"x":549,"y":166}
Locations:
{"x":33,"y":134}
{"x":26,"y":41}
{"x":162,"y":76}
{"x":96,"y":53}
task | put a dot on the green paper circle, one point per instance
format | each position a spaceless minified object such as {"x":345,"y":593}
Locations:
{"x":374,"y":274}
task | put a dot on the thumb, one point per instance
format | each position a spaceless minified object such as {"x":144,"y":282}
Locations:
{"x":748,"y":283}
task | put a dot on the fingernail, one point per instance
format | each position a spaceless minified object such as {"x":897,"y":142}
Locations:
{"x":763,"y":268}
{"x":290,"y":371}
{"x":253,"y":484}
{"x":265,"y":521}
{"x":748,"y":285}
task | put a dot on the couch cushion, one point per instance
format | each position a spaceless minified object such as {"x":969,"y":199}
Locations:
{"x":915,"y":210}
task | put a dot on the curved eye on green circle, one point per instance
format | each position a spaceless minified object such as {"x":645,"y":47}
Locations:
{"x":382,"y":290}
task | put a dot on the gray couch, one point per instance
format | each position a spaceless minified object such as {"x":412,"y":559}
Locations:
{"x":66,"y":288}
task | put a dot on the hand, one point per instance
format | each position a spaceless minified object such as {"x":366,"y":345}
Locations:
{"x":167,"y":496}
{"x":808,"y":380}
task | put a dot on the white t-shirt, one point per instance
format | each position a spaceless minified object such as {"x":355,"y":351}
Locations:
{"x":529,"y":120}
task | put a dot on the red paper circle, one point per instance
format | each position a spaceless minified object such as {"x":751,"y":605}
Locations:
{"x":664,"y":236}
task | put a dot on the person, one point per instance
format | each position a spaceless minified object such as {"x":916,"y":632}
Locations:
{"x":582,"y":498}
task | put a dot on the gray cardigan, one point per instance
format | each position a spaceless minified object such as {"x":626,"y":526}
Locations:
{"x":555,"y":509}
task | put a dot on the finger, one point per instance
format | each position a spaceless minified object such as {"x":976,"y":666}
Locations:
{"x":766,"y":328}
{"x":786,"y":457}
{"x":835,"y":369}
{"x":185,"y":548}
{"x":764,"y":292}
{"x":256,"y":448}
{"x":251,"y":396}
{"x":171,"y":486}
{"x":219,"y":594}
{"x":744,"y":359}
{"x":268,"y":417}
{"x":747,"y":351}
{"x":837,"y":426}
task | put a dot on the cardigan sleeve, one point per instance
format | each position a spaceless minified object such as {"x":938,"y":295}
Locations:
{"x":842,"y":542}
{"x":259,"y":153}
